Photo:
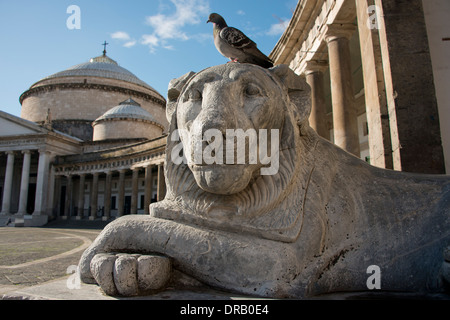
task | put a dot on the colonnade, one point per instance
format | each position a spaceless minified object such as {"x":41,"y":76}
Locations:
{"x":345,"y":124}
{"x":107,"y":176}
{"x":41,"y":182}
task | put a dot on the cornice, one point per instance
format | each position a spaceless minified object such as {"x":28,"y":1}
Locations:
{"x":89,"y":86}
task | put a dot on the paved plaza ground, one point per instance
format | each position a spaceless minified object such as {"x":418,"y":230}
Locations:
{"x":36,"y":263}
{"x":32,"y":256}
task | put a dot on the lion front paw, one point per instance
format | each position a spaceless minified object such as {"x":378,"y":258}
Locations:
{"x":130,"y":274}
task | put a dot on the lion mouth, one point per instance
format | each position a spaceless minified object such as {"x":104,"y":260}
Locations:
{"x":221,"y":178}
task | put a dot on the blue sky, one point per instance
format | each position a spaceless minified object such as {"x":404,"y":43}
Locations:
{"x":157,"y":40}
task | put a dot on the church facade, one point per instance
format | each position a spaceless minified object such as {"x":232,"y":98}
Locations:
{"x":90,"y":142}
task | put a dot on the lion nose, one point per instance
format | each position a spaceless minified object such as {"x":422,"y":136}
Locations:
{"x":215,"y":119}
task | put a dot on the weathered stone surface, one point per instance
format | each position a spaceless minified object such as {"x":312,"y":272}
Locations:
{"x":312,"y":227}
{"x":130,"y":274}
{"x":102,"y":266}
{"x":153,"y":272}
{"x":125,"y":275}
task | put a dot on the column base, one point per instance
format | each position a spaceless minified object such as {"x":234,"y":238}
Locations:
{"x":78,"y":218}
{"x":91,"y":218}
{"x":105,"y":218}
{"x":5,"y":220}
{"x":27,"y":220}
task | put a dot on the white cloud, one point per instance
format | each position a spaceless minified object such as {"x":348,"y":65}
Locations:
{"x":171,"y":26}
{"x":120,"y":35}
{"x":241,"y":13}
{"x":150,"y":39}
{"x":130,"y":44}
{"x":278,"y":28}
{"x":124,"y":37}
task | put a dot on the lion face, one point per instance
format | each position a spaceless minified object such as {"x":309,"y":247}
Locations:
{"x":220,"y":105}
{"x":222,"y":189}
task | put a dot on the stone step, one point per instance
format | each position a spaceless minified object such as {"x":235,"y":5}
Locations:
{"x":4,"y":220}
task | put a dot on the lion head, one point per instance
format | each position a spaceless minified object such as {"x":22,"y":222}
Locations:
{"x":210,"y":180}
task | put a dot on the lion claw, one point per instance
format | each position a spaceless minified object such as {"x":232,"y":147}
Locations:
{"x":130,"y":274}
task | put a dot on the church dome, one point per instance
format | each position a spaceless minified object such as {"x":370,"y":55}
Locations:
{"x":82,"y":94}
{"x":126,"y":121}
{"x":101,"y":66}
{"x":128,"y":109}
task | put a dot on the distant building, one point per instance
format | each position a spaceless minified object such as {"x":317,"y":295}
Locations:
{"x":89,"y":144}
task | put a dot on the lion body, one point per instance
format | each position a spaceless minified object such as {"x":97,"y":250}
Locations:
{"x":314,"y":227}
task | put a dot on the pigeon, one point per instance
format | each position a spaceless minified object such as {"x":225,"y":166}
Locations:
{"x":235,"y":45}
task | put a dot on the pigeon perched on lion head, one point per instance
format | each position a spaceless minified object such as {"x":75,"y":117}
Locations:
{"x":235,"y":45}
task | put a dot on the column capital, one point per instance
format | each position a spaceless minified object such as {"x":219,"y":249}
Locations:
{"x":312,"y":66}
{"x":26,"y":151}
{"x":43,"y":150}
{"x":339,"y":30}
{"x":10,"y":152}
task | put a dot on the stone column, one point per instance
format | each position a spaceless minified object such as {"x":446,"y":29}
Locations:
{"x":40,"y":205}
{"x":374,"y":87}
{"x":24,"y":183}
{"x":107,"y":196}
{"x":8,"y":183}
{"x":57,"y":197}
{"x":161,"y":183}
{"x":51,"y":192}
{"x":68,"y":200}
{"x":81,"y":196}
{"x":411,"y":95}
{"x":345,"y":125}
{"x":134,"y":191}
{"x":148,"y":188}
{"x":121,"y":196}
{"x":314,"y":77}
{"x":94,"y":196}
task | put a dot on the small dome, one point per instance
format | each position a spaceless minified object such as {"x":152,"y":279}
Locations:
{"x":128,"y":109}
{"x":126,"y":121}
{"x":103,"y":67}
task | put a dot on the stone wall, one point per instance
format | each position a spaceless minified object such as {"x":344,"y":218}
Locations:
{"x":120,"y":129}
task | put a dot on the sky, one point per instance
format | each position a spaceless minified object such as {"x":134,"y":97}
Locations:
{"x":157,"y":40}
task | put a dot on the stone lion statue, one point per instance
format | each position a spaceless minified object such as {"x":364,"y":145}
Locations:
{"x":313,"y":223}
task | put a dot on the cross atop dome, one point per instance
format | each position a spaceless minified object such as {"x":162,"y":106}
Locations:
{"x":104,"y":47}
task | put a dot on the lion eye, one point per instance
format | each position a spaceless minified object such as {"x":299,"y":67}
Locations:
{"x":252,"y":90}
{"x":194,"y":95}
